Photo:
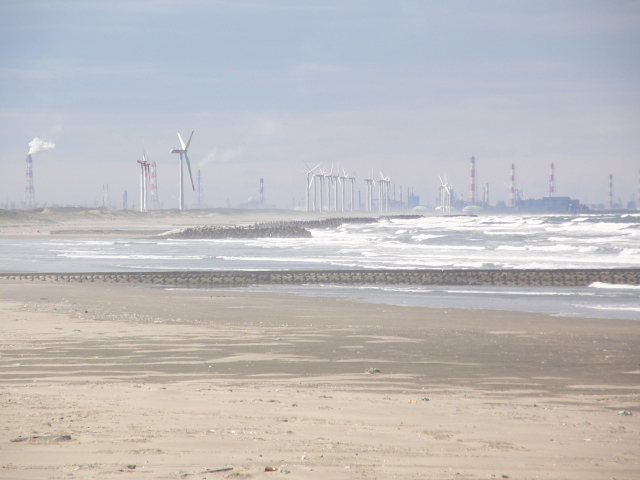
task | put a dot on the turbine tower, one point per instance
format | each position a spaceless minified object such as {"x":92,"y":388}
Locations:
{"x":369,"y":181}
{"x":343,"y":184}
{"x":352,"y":181}
{"x":144,"y":181}
{"x":445,"y":196}
{"x":319,"y":184}
{"x":383,"y":193}
{"x":329,"y":177}
{"x":311,"y":175}
{"x":335,"y":178}
{"x":183,"y":156}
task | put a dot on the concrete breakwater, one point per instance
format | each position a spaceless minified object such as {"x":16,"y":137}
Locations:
{"x":564,"y":277}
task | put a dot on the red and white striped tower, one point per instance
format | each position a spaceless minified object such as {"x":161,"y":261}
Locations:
{"x":486,"y":195}
{"x":611,"y":191}
{"x":472,"y":182}
{"x":28,"y":187}
{"x":154,"y":186}
{"x":513,"y":185}
{"x":552,"y":182}
{"x":262,"y":193}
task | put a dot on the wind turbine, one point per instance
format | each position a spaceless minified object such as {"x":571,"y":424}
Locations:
{"x":144,"y":180}
{"x":352,"y":180}
{"x":310,"y":183}
{"x":183,"y":153}
{"x":329,"y":177}
{"x":383,"y":193}
{"x":335,"y":178}
{"x":445,"y":196}
{"x":370,"y":183}
{"x":343,"y":184}
{"x":318,"y":184}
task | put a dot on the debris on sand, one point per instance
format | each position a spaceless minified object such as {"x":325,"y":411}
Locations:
{"x":43,"y":439}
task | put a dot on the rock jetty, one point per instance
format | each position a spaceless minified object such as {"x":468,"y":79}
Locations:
{"x":288,"y":229}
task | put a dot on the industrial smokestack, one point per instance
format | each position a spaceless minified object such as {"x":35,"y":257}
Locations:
{"x":472,"y":183}
{"x":35,"y":146}
{"x":552,"y":182}
{"x":611,"y":191}
{"x":28,"y":188}
{"x":513,"y":185}
{"x":154,"y":186}
{"x":262,"y":193}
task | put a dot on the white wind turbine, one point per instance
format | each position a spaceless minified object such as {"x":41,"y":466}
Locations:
{"x":144,"y":180}
{"x":318,"y":184}
{"x":370,"y":183}
{"x":335,"y":178}
{"x":183,"y":153}
{"x":352,"y":181}
{"x":343,"y":184}
{"x":311,"y":175}
{"x":329,"y":177}
{"x":445,"y":196}
{"x":383,"y":193}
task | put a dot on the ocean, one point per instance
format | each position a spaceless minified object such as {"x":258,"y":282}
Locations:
{"x":486,"y":241}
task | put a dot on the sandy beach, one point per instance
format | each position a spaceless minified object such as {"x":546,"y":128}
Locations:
{"x":107,"y":381}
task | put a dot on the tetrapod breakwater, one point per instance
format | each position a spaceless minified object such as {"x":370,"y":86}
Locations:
{"x":560,"y":277}
{"x":285,"y":229}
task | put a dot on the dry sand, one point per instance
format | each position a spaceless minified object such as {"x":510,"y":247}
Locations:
{"x":111,"y":381}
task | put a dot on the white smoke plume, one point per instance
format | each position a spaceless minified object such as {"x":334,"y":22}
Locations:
{"x":222,"y":155}
{"x":37,"y":146}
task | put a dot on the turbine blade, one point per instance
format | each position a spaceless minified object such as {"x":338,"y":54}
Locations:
{"x":189,"y":168}
{"x":306,"y":165}
{"x":189,"y":142}
{"x":181,"y":141}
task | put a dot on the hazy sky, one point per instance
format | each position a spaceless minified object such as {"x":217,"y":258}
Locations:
{"x":410,"y":87}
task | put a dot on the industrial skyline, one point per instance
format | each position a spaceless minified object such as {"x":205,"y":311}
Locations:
{"x":409,"y":88}
{"x":326,"y":191}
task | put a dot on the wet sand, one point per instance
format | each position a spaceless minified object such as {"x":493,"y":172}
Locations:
{"x":108,"y":380}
